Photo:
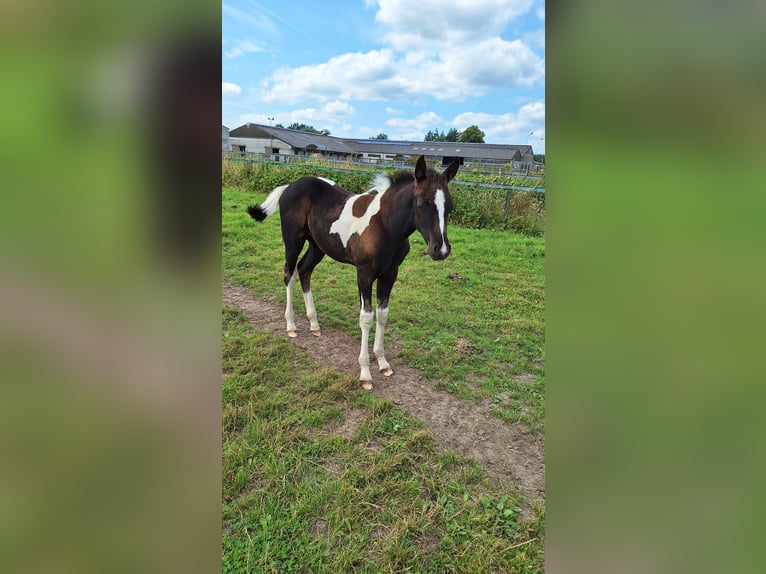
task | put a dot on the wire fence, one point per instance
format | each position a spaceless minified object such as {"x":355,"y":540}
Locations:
{"x":487,"y":167}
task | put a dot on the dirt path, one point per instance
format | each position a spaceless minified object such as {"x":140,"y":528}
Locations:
{"x":507,"y":452}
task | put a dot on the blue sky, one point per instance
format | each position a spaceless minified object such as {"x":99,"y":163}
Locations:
{"x":361,"y":67}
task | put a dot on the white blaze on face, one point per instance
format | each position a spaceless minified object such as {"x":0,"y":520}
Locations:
{"x":439,"y":200}
{"x":346,"y":224}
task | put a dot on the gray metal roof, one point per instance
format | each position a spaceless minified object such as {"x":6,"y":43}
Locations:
{"x":295,"y":138}
{"x":305,"y":140}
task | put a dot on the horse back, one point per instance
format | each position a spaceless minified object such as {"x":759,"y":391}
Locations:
{"x":309,"y":195}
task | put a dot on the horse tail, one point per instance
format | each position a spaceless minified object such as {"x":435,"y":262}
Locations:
{"x":269,"y":206}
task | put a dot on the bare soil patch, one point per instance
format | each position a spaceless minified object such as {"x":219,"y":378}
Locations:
{"x":509,"y":453}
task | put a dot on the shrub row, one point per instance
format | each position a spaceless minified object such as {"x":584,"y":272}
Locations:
{"x":476,"y":206}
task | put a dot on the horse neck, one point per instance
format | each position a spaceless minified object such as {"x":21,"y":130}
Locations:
{"x":400,"y":222}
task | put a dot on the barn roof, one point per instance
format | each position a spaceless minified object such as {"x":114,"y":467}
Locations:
{"x":306,"y":140}
{"x":295,"y":138}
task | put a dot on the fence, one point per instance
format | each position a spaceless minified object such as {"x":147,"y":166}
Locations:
{"x":366,"y":163}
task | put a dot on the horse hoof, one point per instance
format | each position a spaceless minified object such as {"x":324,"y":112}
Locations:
{"x":387,"y":372}
{"x":292,"y":334}
{"x":317,"y":333}
{"x":367,"y":385}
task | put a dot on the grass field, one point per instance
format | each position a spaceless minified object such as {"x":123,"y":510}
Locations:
{"x":320,"y":476}
{"x":473,"y":323}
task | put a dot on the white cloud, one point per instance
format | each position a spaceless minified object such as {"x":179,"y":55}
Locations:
{"x":511,"y":128}
{"x":229,"y":89}
{"x":338,"y":109}
{"x":450,"y":51}
{"x":243,"y":47}
{"x":332,"y":116}
{"x":491,"y":64}
{"x":459,"y":73}
{"x":537,"y":38}
{"x":436,"y":24}
{"x":366,"y":76}
{"x":413,"y":128}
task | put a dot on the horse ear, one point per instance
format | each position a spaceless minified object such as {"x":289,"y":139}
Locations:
{"x":451,"y":170}
{"x":420,"y":169}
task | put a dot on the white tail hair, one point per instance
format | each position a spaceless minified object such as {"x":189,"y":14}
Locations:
{"x":271,"y":203}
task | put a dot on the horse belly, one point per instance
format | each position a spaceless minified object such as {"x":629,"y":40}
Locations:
{"x":329,"y":244}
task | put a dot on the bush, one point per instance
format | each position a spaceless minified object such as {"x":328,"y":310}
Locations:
{"x":490,"y":208}
{"x":476,"y":206}
{"x":264,"y":176}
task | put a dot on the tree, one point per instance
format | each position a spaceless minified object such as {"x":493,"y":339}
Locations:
{"x":380,"y":136}
{"x":453,"y":135}
{"x":472,"y":134}
{"x":307,"y":128}
{"x":434,"y":136}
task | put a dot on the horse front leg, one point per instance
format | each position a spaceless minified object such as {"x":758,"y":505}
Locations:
{"x":365,"y":324}
{"x":385,"y":284}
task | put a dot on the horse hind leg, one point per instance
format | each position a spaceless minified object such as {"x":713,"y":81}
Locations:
{"x":305,"y":267}
{"x":292,"y":250}
{"x":292,"y":330}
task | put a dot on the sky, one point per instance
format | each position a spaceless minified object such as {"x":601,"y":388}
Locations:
{"x":359,"y":68}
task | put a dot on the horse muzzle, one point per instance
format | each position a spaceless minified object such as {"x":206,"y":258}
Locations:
{"x":438,"y":250}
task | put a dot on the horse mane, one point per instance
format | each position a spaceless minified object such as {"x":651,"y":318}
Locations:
{"x":401,"y":177}
{"x":398,"y":178}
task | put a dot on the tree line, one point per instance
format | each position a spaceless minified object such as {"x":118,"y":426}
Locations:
{"x":471,"y":134}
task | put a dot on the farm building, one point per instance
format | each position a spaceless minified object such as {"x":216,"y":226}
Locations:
{"x":225,"y":143}
{"x":283,"y":142}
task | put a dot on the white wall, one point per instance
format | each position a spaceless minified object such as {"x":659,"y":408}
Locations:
{"x":260,"y":145}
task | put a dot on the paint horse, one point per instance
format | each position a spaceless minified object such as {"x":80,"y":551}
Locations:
{"x":370,"y":231}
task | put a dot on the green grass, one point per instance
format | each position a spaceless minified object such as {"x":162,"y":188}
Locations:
{"x":302,"y":495}
{"x":473,"y":323}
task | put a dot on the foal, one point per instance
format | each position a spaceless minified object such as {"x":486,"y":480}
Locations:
{"x":370,"y":231}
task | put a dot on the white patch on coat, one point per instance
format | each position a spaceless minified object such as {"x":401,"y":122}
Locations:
{"x":439,"y":200}
{"x":324,"y":179}
{"x":347,"y":224}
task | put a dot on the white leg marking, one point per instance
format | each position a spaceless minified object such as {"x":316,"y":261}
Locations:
{"x":365,"y":323}
{"x":377,"y":348}
{"x":289,"y":315}
{"x":311,"y":312}
{"x":439,"y":200}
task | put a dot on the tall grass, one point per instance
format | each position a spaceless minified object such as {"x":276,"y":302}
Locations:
{"x":476,"y":206}
{"x":479,"y":207}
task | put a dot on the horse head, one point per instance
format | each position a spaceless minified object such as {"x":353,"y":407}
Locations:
{"x":432,"y":204}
